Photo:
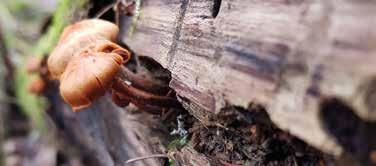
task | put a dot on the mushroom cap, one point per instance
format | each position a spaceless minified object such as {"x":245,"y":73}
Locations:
{"x":95,"y":27}
{"x":36,"y":86}
{"x":88,"y":77}
{"x":77,"y":37}
{"x":33,"y":64}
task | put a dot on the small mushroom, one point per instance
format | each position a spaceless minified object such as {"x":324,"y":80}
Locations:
{"x":78,"y":38}
{"x":37,"y":66}
{"x":33,"y":64}
{"x":87,"y":77}
{"x":88,"y":64}
{"x":36,"y":86}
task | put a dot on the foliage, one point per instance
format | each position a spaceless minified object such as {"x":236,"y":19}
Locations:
{"x":177,"y":143}
{"x":170,"y":162}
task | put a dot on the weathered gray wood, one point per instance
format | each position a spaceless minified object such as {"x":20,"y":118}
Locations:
{"x":108,"y":134}
{"x":287,"y":55}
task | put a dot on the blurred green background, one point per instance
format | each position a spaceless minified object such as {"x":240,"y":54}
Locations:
{"x":28,"y":28}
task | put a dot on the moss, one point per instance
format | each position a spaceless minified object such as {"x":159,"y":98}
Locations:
{"x":177,"y":143}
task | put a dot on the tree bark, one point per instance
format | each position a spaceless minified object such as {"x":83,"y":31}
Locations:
{"x":294,"y":57}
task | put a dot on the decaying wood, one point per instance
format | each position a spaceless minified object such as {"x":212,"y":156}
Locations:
{"x":288,"y":55}
{"x":107,"y":134}
{"x":189,"y":157}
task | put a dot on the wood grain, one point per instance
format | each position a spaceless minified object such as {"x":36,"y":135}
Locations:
{"x":287,"y":55}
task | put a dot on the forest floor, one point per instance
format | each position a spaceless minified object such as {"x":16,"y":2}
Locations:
{"x":247,"y":137}
{"x":238,"y":137}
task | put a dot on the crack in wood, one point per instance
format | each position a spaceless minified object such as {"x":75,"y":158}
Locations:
{"x":216,"y":8}
{"x":205,"y":101}
{"x":176,"y":37}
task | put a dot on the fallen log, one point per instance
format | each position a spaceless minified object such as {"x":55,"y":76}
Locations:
{"x":304,"y":61}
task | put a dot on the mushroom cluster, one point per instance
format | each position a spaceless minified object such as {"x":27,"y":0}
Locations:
{"x":88,"y":64}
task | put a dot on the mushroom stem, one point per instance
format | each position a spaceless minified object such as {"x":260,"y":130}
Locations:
{"x":119,"y":100}
{"x":139,"y":96}
{"x":123,"y":100}
{"x":144,"y":84}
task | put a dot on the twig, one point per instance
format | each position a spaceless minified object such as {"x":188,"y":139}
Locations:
{"x":106,"y":9}
{"x":146,"y":157}
{"x":121,"y":6}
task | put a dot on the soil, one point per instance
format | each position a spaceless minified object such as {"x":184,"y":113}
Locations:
{"x":248,"y":137}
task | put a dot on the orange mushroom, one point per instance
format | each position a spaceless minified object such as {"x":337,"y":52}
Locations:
{"x":33,"y":64}
{"x":78,"y":38}
{"x":36,"y":86}
{"x":87,"y":77}
{"x":87,"y":63}
{"x":37,"y":66}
